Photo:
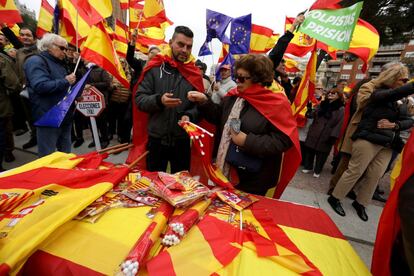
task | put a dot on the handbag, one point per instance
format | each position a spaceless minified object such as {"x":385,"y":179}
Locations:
{"x":242,"y":160}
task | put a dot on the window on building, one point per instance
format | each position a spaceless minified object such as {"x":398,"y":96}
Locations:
{"x":345,"y":76}
{"x":347,"y":67}
{"x":411,"y":42}
{"x":359,"y":76}
{"x":360,"y":66}
{"x":409,"y":54}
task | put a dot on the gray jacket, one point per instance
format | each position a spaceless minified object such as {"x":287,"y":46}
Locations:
{"x":163,"y":121}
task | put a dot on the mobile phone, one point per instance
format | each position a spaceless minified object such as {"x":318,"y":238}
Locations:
{"x":235,"y":125}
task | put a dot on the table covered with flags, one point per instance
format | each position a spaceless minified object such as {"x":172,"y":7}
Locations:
{"x":78,"y":215}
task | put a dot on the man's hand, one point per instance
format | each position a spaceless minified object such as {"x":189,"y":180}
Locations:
{"x":298,"y":20}
{"x":239,"y":139}
{"x":71,"y":78}
{"x":197,"y":97}
{"x":133,"y":37}
{"x":168,"y":101}
{"x":216,"y":86}
{"x":385,"y":124}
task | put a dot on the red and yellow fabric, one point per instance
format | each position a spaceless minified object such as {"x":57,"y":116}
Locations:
{"x":124,"y":4}
{"x":306,"y":88}
{"x":9,"y":13}
{"x":121,"y":38}
{"x":93,"y":11}
{"x":99,"y":49}
{"x":154,"y":14}
{"x":301,"y":43}
{"x":262,"y":39}
{"x":69,"y":16}
{"x":326,"y":4}
{"x":152,"y":36}
{"x":273,"y":104}
{"x":56,"y":196}
{"x":45,"y":22}
{"x":365,"y":42}
{"x":291,"y":65}
{"x":389,"y":225}
{"x":140,"y":119}
{"x":224,"y":52}
{"x":135,"y":14}
{"x":328,"y":49}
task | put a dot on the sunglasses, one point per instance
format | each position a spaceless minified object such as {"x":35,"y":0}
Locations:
{"x":332,"y":93}
{"x":404,"y":80}
{"x":62,"y":48}
{"x":242,"y":79}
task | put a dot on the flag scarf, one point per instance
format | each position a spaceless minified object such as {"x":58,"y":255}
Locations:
{"x":9,"y":14}
{"x":95,"y":10}
{"x":55,"y":116}
{"x":241,"y":28}
{"x":140,"y":119}
{"x":35,"y":202}
{"x":154,"y":14}
{"x":301,"y":43}
{"x":262,"y":39}
{"x":306,"y":87}
{"x":45,"y":22}
{"x":389,"y":225}
{"x":121,"y":38}
{"x":273,"y":104}
{"x":99,"y":49}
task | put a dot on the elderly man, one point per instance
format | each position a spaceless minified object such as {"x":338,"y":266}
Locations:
{"x":224,"y":86}
{"x":9,"y":84}
{"x":48,"y":82}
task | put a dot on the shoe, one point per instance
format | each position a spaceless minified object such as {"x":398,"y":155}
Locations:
{"x":32,"y":142}
{"x":360,"y":209}
{"x":352,"y":195}
{"x":92,"y":144}
{"x":316,"y":175}
{"x":78,"y":143}
{"x":9,"y":157}
{"x":336,"y":205}
{"x":104,"y":144}
{"x":376,"y":196}
{"x":306,"y":171}
{"x":20,"y":132}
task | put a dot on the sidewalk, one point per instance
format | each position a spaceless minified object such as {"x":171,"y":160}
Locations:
{"x":304,"y":189}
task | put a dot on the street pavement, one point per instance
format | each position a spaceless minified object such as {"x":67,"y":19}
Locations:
{"x":303,"y":189}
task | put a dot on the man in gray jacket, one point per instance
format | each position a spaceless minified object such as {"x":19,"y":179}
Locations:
{"x":163,"y":95}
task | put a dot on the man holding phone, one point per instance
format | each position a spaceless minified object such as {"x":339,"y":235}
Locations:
{"x":162,"y":94}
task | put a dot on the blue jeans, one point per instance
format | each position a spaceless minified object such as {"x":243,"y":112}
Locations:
{"x":49,"y":139}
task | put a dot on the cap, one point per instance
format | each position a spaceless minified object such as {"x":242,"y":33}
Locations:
{"x":225,"y":66}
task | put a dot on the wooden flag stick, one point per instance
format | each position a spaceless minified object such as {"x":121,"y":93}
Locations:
{"x":113,"y":147}
{"x":120,"y":149}
{"x":133,"y":164}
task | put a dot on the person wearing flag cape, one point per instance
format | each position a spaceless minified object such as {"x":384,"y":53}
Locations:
{"x":47,"y":83}
{"x":257,"y":133}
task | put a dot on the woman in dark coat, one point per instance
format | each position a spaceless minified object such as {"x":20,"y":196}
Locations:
{"x":266,"y":130}
{"x":323,"y":132}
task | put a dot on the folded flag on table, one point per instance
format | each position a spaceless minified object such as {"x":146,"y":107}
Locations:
{"x":53,"y":197}
{"x":9,"y":14}
{"x":54,"y":117}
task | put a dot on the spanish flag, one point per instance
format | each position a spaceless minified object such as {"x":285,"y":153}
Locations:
{"x":154,"y":14}
{"x":152,"y":35}
{"x":99,"y":48}
{"x":124,"y":4}
{"x":224,"y":52}
{"x":389,"y":225}
{"x":262,"y":39}
{"x":121,"y":38}
{"x":39,"y":199}
{"x":365,"y":42}
{"x":306,"y":88}
{"x":9,"y":14}
{"x":291,"y":65}
{"x":93,"y":11}
{"x":326,"y":4}
{"x":71,"y":15}
{"x":301,"y":43}
{"x":135,"y":14}
{"x":45,"y":22}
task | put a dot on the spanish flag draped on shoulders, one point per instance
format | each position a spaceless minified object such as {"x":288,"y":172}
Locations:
{"x":273,"y":104}
{"x":140,"y":119}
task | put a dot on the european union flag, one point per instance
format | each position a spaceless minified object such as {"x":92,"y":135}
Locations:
{"x":241,"y":29}
{"x":56,"y":16}
{"x":204,"y":50}
{"x":216,"y":26}
{"x":228,"y":60}
{"x":54,"y":117}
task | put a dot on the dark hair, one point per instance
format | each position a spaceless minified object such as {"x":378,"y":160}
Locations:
{"x":183,"y":30}
{"x":30,"y":29}
{"x":260,"y":68}
{"x":201,"y":65}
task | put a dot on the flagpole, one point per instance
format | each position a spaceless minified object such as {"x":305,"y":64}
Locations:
{"x":212,"y":57}
{"x":77,"y":65}
{"x":77,"y":28}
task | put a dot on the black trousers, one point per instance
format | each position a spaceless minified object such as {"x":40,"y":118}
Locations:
{"x":2,"y":141}
{"x":178,"y":154}
{"x":309,"y":160}
{"x":117,"y":122}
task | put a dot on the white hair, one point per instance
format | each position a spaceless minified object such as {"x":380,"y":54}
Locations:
{"x":48,"y":40}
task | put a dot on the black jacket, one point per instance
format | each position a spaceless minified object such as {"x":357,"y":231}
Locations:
{"x":163,"y":121}
{"x":137,"y":65}
{"x":382,"y":105}
{"x":263,"y":141}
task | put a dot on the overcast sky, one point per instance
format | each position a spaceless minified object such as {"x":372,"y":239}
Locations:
{"x":192,"y":13}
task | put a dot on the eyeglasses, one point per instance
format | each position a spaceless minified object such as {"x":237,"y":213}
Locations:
{"x":332,"y":93}
{"x":242,"y":79}
{"x":62,"y":48}
{"x":404,"y":80}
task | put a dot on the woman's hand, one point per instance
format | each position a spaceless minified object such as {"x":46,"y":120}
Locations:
{"x":197,"y":97}
{"x":238,"y":138}
{"x":384,"y":123}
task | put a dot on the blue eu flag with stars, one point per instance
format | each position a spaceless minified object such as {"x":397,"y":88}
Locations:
{"x":241,"y":29}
